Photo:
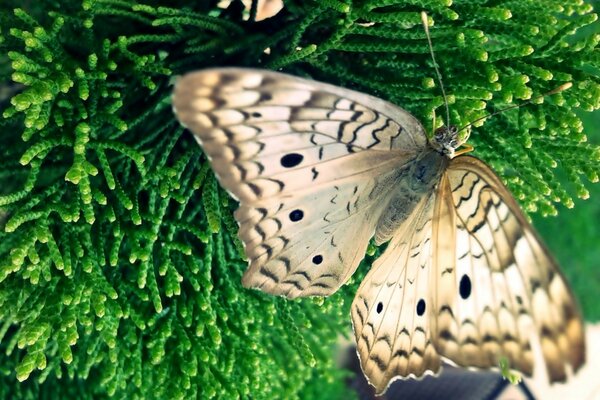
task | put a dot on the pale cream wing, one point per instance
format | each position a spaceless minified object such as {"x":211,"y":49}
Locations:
{"x":391,"y":310}
{"x":311,"y":164}
{"x":498,"y":291}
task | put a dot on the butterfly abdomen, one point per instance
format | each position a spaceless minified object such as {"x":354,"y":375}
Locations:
{"x":411,"y":185}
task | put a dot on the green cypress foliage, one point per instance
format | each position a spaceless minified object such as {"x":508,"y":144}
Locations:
{"x":119,"y":264}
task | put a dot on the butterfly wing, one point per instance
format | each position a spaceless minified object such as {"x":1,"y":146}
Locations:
{"x":498,"y":291}
{"x":310,"y":163}
{"x":389,"y":312}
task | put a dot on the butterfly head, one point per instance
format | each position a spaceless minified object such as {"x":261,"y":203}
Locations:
{"x":447,"y":139}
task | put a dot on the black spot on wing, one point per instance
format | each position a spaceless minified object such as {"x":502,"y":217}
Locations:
{"x":465,"y":287}
{"x":421,"y":307}
{"x":291,"y":160}
{"x":296,"y":215}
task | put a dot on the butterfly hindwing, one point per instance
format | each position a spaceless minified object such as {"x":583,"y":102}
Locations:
{"x":311,"y":164}
{"x":390,"y":310}
{"x":498,"y":292}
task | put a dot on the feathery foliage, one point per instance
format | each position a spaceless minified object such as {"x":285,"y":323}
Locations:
{"x":119,"y":267}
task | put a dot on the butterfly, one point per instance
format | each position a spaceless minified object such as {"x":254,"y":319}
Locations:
{"x":319,"y":170}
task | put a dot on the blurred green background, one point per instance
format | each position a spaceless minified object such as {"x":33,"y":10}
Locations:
{"x":574,"y":234}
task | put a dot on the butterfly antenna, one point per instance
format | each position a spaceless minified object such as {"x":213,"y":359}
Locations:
{"x":435,"y":65}
{"x":559,"y":89}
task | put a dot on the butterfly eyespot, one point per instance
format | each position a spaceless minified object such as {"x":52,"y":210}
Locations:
{"x":296,"y":215}
{"x":318,"y":259}
{"x":421,"y":307}
{"x":379,"y":307}
{"x":465,"y":287}
{"x":291,"y":160}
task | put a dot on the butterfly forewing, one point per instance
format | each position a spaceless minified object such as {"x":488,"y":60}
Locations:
{"x":313,"y":166}
{"x":499,"y":292}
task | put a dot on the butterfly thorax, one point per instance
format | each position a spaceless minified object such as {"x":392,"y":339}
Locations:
{"x":446,"y":140}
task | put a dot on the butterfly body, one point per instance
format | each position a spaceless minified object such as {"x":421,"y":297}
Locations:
{"x":412,"y":183}
{"x":319,"y":170}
